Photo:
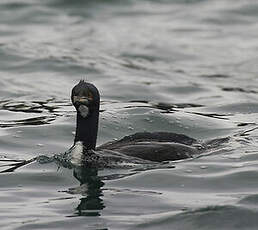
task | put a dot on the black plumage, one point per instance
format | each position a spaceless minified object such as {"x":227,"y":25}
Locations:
{"x":156,"y":146}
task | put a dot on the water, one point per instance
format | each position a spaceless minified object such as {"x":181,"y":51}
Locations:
{"x":184,"y":66}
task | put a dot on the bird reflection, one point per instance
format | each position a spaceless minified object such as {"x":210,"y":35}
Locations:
{"x":90,"y":184}
{"x":91,"y":187}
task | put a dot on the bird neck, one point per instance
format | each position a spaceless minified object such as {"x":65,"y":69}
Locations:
{"x":87,"y":130}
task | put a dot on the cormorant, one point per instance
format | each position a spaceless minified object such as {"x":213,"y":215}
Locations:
{"x":137,"y":148}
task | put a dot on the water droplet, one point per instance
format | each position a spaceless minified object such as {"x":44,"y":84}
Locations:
{"x":40,"y":145}
{"x":198,"y":146}
{"x":240,"y":165}
{"x":203,"y":167}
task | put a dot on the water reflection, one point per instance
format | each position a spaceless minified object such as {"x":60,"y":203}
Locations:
{"x":90,"y":184}
{"x":91,"y":187}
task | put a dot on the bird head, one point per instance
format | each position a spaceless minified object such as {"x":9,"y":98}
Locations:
{"x":85,"y":98}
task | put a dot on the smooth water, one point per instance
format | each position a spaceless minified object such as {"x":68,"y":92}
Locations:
{"x":186,"y":66}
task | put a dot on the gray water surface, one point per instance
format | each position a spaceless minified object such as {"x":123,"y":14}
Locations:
{"x":167,"y":65}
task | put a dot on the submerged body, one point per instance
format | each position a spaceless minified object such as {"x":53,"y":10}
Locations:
{"x":157,"y":146}
{"x":133,"y":149}
{"x":142,"y":147}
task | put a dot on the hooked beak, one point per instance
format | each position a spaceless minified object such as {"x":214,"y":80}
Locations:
{"x":81,"y":100}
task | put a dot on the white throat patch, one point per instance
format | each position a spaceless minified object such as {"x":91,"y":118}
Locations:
{"x":84,"y":111}
{"x":77,"y":153}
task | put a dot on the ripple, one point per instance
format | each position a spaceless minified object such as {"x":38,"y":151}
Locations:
{"x":204,"y":218}
{"x":50,"y":110}
{"x":238,"y":89}
{"x":216,"y":76}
